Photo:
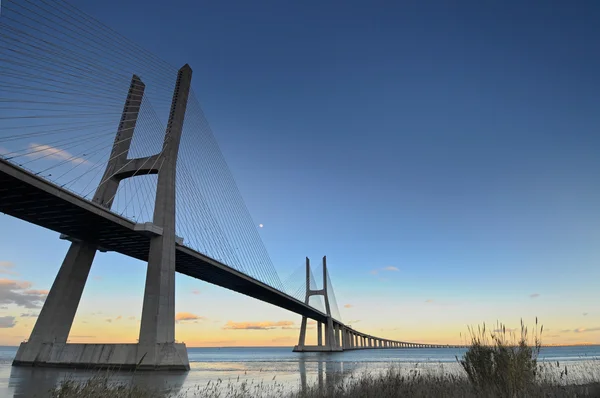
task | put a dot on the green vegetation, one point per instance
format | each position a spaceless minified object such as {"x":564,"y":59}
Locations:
{"x":499,"y":363}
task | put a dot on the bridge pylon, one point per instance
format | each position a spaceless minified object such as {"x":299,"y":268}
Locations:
{"x":156,"y":348}
{"x":332,"y":340}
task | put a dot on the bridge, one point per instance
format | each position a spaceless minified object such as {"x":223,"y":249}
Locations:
{"x":83,"y":107}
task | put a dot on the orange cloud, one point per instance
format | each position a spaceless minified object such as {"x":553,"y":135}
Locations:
{"x":348,"y":306}
{"x":15,"y":284}
{"x":258,"y":325}
{"x":18,"y":293}
{"x":187,"y":316}
{"x":41,"y":292}
{"x":429,"y":301}
{"x":582,"y":330}
{"x":51,"y":152}
{"x":6,"y":268}
{"x":7,"y":321}
{"x":195,"y":291}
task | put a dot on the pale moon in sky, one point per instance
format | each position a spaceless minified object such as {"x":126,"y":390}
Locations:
{"x":260,"y":225}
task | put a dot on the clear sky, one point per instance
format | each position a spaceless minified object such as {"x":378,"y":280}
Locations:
{"x":445,"y":157}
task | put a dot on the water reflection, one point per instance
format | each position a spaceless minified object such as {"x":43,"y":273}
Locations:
{"x":323,"y":371}
{"x":30,"y":382}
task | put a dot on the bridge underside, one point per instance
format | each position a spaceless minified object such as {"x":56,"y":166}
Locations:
{"x":33,"y":199}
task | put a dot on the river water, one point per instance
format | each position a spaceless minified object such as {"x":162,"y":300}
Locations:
{"x":279,"y":367}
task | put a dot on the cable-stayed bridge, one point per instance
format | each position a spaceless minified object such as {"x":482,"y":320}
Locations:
{"x":106,"y":144}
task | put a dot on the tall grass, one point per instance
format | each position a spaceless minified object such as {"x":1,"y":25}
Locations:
{"x":501,"y":362}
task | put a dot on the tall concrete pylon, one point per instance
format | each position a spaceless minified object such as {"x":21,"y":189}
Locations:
{"x":47,"y":345}
{"x":332,"y":342}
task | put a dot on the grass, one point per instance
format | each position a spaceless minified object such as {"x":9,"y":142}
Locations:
{"x":499,"y":363}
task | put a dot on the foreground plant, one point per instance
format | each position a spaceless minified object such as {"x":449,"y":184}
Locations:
{"x":500,"y":362}
{"x":100,"y":386}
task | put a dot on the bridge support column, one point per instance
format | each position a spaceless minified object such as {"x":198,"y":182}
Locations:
{"x":319,"y":334}
{"x":157,"y":329}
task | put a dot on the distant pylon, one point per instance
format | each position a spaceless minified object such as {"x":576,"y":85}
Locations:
{"x":332,"y":340}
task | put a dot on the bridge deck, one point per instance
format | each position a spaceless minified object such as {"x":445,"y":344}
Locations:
{"x":31,"y":198}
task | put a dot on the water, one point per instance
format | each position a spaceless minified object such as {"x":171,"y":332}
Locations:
{"x":280,"y":365}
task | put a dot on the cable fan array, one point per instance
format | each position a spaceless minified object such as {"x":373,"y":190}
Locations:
{"x":64,"y":77}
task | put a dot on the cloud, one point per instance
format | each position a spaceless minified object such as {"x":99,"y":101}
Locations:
{"x":118,"y":318}
{"x":354,"y":321}
{"x":195,"y":291}
{"x":18,"y":292}
{"x":6,"y":268}
{"x":388,"y":268}
{"x":15,"y":284}
{"x":429,"y":301}
{"x":534,"y":295}
{"x":509,"y":330}
{"x":257,"y":325}
{"x":584,"y":330}
{"x":51,"y":152}
{"x":108,"y":320}
{"x":7,"y":321}
{"x":283,"y":339}
{"x":131,"y":318}
{"x":29,"y":315}
{"x":348,"y":306}
{"x":585,"y":314}
{"x":311,"y":322}
{"x":82,"y":337}
{"x":186,"y":316}
{"x":41,"y":292}
{"x":97,"y":278}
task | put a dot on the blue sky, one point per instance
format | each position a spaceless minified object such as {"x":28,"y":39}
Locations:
{"x":457,"y":143}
